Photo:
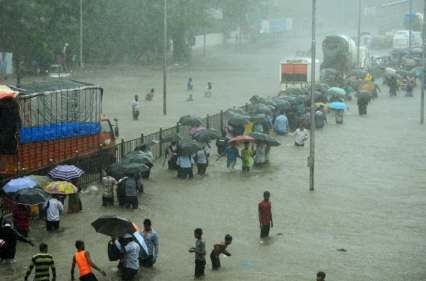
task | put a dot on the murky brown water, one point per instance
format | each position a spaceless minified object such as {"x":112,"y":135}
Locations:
{"x":370,"y":198}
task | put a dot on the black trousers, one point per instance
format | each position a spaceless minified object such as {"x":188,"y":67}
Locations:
{"x":132,"y":201}
{"x":215,"y":261}
{"x":264,"y":230}
{"x":185,"y":173}
{"x":52,"y":225}
{"x":128,"y":274}
{"x":201,"y":169}
{"x":200,"y":265}
{"x":88,"y":277}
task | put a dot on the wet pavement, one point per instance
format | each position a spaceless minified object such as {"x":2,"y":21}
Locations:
{"x":370,"y":200}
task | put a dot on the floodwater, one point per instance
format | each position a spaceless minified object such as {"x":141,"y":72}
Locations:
{"x":370,"y":196}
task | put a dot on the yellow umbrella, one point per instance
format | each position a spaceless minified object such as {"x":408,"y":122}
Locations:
{"x":61,"y":187}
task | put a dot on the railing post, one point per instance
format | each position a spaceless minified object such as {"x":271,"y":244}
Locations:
{"x":122,"y":148}
{"x":142,"y":139}
{"x":177,"y":128}
{"x":161,"y":142}
{"x":221,"y":122}
{"x":208,"y":121}
{"x":246,"y":107}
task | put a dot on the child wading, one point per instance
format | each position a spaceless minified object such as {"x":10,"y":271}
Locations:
{"x":200,"y":253}
{"x":220,"y":248}
{"x":246,"y":157}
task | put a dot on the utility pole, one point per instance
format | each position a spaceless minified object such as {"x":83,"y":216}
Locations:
{"x":410,"y":24}
{"x":311,"y":160}
{"x":81,"y":34}
{"x":358,"y":43}
{"x":422,"y":97}
{"x":165,"y":58}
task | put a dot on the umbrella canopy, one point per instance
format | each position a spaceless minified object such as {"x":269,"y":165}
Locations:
{"x":336,"y":91}
{"x":113,"y":226}
{"x":17,"y":184}
{"x":206,"y":135}
{"x":189,"y":147}
{"x":31,"y":196}
{"x":197,"y":129}
{"x":190,"y":120}
{"x":139,"y":157}
{"x":265,"y":138}
{"x":261,"y":108}
{"x":61,"y":187}
{"x":66,"y":172}
{"x":241,"y":139}
{"x":120,"y":170}
{"x":337,"y":105}
{"x":41,"y":180}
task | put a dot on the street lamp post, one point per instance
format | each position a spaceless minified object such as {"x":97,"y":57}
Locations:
{"x":81,"y":34}
{"x":311,"y":160}
{"x":165,"y":57}
{"x":358,"y":43}
{"x":422,"y":96}
{"x":410,"y":24}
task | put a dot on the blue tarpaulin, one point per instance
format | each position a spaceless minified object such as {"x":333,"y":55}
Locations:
{"x":58,"y":131}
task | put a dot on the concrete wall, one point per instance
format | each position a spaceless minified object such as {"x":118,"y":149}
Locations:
{"x":212,"y":39}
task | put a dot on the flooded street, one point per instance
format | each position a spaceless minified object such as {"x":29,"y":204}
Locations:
{"x":370,"y":194}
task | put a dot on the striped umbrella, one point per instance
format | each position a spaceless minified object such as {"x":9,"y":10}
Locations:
{"x":66,"y":172}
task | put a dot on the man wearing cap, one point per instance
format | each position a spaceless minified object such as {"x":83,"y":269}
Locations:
{"x":129,"y":264}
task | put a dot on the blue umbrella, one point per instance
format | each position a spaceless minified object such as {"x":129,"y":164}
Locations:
{"x":18,"y":184}
{"x":337,"y":105}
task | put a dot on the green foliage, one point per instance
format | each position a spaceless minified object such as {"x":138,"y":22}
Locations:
{"x":129,"y":31}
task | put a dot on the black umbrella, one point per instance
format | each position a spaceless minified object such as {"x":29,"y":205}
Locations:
{"x":138,"y":157}
{"x":190,"y":120}
{"x":189,"y":147}
{"x":261,"y":108}
{"x":31,"y":196}
{"x":206,"y":135}
{"x":120,"y":170}
{"x":113,"y":226}
{"x":265,"y":138}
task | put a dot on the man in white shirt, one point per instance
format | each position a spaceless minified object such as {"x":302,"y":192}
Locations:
{"x":301,"y":135}
{"x":129,"y":264}
{"x":53,"y":208}
{"x":136,"y":107}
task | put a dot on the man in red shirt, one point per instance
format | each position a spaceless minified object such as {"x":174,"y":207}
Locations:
{"x":265,"y":215}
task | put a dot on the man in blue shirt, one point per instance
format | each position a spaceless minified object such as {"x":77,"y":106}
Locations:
{"x":281,"y":124}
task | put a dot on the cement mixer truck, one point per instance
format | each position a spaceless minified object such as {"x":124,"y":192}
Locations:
{"x":339,"y":53}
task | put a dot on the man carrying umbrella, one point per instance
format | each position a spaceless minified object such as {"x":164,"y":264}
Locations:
{"x":129,"y":264}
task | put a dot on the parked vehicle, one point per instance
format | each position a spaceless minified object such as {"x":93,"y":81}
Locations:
{"x":52,"y":122}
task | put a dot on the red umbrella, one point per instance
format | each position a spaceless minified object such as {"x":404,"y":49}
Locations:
{"x":241,"y":139}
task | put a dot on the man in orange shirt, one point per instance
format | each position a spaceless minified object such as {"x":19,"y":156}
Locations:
{"x":84,"y":263}
{"x":265,"y":215}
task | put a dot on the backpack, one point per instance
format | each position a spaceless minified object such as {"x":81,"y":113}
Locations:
{"x":113,"y":252}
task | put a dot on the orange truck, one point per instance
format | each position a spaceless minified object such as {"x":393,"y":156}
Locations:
{"x":296,"y":71}
{"x":53,"y":122}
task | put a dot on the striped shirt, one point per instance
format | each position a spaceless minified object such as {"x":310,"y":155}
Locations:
{"x":42,"y":262}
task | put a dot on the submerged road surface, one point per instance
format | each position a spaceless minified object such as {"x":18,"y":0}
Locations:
{"x":370,"y":200}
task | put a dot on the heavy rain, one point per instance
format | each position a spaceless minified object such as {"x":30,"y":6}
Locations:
{"x":213,"y":140}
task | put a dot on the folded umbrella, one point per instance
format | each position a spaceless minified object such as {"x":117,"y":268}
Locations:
{"x":265,"y":138}
{"x":31,"y":196}
{"x":66,"y":172}
{"x":113,"y":226}
{"x":241,"y":139}
{"x":61,"y":187}
{"x":17,"y":184}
